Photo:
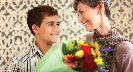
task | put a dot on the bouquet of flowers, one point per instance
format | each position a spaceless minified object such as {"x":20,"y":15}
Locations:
{"x":72,"y":56}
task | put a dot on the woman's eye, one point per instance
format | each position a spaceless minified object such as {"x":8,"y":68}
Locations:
{"x":81,"y":12}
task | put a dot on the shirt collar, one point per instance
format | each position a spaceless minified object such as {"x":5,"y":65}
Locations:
{"x":35,"y":50}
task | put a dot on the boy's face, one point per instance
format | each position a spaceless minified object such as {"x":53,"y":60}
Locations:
{"x":48,"y":31}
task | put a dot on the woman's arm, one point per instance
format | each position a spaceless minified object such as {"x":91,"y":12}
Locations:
{"x":124,"y":57}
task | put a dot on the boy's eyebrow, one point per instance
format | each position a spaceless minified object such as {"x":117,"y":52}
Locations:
{"x":53,"y":22}
{"x":58,"y":22}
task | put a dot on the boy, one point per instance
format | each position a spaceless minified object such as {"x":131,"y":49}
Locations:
{"x":44,"y":25}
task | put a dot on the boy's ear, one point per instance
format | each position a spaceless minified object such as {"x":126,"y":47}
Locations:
{"x":100,"y":6}
{"x":35,"y":28}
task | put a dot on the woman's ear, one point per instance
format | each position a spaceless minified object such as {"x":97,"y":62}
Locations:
{"x":35,"y":28}
{"x":100,"y":6}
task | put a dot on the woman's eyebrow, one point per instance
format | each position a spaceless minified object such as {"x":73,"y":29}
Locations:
{"x":79,"y":10}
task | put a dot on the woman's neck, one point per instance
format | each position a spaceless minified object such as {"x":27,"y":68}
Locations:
{"x":104,"y":28}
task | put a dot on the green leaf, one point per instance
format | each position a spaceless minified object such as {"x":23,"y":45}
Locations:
{"x":64,"y":49}
{"x":71,"y":44}
{"x":89,"y":43}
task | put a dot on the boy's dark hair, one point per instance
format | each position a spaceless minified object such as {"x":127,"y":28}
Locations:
{"x":37,"y":14}
{"x":93,"y":4}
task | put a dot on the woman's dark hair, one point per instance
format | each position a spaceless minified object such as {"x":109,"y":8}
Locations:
{"x":93,"y":4}
{"x":37,"y":14}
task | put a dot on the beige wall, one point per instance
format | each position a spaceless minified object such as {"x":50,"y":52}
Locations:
{"x":15,"y":35}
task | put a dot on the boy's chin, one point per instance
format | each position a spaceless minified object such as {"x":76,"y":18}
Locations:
{"x":54,"y":41}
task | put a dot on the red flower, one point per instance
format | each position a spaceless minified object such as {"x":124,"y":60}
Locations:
{"x":88,"y":61}
{"x":70,"y":61}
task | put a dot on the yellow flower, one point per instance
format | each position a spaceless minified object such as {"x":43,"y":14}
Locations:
{"x":80,"y":42}
{"x":79,"y":53}
{"x":98,"y":60}
{"x":93,"y":53}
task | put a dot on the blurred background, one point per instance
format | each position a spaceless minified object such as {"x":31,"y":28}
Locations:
{"x":15,"y":35}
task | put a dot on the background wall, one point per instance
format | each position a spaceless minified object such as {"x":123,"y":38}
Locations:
{"x":15,"y":35}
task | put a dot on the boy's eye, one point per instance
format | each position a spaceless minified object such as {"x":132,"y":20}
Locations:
{"x":58,"y":24}
{"x":50,"y":24}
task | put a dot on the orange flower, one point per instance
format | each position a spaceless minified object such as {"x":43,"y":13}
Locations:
{"x":95,"y":45}
{"x":85,"y":44}
{"x":98,"y":53}
{"x":70,"y":60}
{"x":92,"y":44}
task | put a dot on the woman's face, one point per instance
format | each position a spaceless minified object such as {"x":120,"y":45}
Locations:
{"x":88,"y":16}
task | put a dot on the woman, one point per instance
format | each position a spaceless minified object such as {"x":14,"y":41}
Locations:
{"x":94,"y":15}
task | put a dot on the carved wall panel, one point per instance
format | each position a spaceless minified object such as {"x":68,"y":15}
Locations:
{"x":15,"y":35}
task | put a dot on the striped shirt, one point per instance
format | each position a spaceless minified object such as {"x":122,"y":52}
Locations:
{"x":25,"y":61}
